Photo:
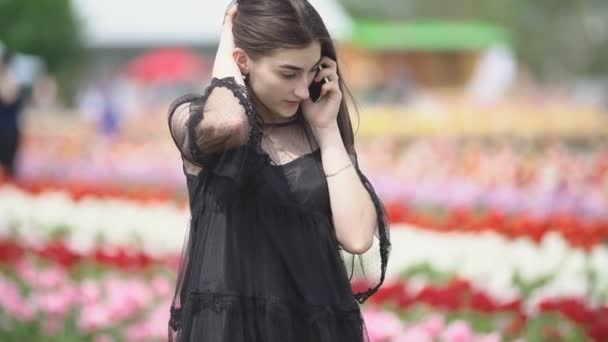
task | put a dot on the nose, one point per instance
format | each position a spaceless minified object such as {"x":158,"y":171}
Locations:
{"x":301,"y":91}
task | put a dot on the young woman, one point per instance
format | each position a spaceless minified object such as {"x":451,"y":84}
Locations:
{"x":282,"y":219}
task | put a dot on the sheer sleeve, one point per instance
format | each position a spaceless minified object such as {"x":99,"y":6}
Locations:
{"x":367,"y":271}
{"x":215,"y":130}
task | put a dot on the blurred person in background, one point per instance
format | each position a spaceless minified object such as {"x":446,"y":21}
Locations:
{"x":282,"y":218}
{"x":12,"y":101}
{"x":99,"y":103}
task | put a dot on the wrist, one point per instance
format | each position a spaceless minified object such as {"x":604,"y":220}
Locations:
{"x":332,"y":128}
{"x":328,"y":136}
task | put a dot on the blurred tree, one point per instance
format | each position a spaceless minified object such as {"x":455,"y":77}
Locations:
{"x":557,"y":39}
{"x":46,"y":28}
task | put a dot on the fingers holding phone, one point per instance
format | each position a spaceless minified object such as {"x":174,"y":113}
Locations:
{"x":230,"y":12}
{"x":316,"y":86}
{"x":327,"y":72}
{"x":329,"y":69}
{"x":329,"y":76}
{"x":321,"y":109}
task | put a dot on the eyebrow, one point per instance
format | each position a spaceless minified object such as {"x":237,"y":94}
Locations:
{"x":296,"y":68}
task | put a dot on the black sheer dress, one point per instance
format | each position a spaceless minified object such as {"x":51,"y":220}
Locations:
{"x":261,"y":262}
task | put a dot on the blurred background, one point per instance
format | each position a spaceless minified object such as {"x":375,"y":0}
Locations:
{"x":483,"y":125}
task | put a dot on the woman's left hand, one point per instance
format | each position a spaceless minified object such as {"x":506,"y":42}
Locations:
{"x":324,"y":113}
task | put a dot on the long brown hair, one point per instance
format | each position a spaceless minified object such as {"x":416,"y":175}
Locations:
{"x":261,"y":26}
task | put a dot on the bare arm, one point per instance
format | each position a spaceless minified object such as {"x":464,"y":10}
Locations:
{"x":201,"y":126}
{"x":354,"y":214}
{"x":224,"y":65}
{"x":353,"y":211}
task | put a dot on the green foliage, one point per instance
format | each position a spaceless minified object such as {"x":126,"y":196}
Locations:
{"x":46,"y":28}
{"x":526,"y":288}
{"x":553,"y":327}
{"x":426,"y":271}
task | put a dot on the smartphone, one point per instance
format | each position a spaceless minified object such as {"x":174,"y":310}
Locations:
{"x":315,"y":88}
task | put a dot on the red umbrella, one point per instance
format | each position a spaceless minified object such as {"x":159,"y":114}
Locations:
{"x":166,"y":65}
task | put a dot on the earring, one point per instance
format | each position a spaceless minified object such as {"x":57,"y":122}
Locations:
{"x":244,"y":77}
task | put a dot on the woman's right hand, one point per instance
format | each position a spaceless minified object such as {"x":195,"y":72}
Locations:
{"x":224,"y":64}
{"x":230,"y":13}
{"x":227,"y":38}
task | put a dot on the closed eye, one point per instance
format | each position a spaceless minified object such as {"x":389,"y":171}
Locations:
{"x":290,"y":76}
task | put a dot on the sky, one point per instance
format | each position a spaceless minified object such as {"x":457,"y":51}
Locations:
{"x":153,"y":22}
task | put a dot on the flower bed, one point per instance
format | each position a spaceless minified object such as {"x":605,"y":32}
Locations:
{"x":57,"y":252}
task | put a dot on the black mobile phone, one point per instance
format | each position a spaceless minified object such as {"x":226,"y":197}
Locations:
{"x":315,"y":87}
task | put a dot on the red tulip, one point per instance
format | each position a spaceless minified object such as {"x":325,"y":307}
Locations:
{"x":395,"y":212}
{"x":10,"y":252}
{"x":481,"y":302}
{"x":387,"y":292}
{"x":57,"y":251}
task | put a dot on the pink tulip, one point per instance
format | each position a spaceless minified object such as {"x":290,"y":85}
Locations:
{"x":112,"y":284}
{"x":13,"y":303}
{"x":381,"y":325}
{"x":27,"y":271}
{"x":161,"y":286}
{"x":94,"y":317}
{"x":116,"y":298}
{"x":89,"y":292}
{"x":23,"y":312}
{"x":54,"y":304}
{"x":8,"y":291}
{"x":433,"y":325}
{"x":138,"y":332}
{"x":138,"y":294}
{"x":118,"y":308}
{"x":157,"y":321}
{"x":458,"y":331}
{"x":414,"y":334}
{"x":52,"y":278}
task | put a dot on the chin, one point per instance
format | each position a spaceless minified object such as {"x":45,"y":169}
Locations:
{"x":287,"y":113}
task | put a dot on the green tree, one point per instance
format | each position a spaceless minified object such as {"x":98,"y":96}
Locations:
{"x":46,"y":28}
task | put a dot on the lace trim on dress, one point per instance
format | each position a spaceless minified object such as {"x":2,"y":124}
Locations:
{"x":242,"y":94}
{"x":220,"y":302}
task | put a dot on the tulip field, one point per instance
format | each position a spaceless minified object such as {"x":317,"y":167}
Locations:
{"x":502,"y":239}
{"x":101,"y":268}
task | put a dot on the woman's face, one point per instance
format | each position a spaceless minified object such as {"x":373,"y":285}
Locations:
{"x":280,"y":81}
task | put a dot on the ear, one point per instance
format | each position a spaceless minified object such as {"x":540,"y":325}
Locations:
{"x":242,"y":60}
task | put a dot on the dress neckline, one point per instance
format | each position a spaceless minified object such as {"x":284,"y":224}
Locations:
{"x":313,"y":153}
{"x":296,"y":119}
